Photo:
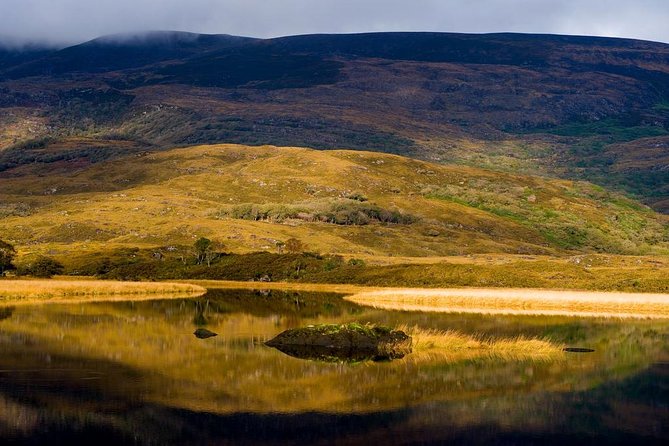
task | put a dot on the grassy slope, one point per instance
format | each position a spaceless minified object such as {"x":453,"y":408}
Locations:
{"x":173,"y":197}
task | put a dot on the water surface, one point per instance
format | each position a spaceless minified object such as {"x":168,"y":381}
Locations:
{"x":134,"y":373}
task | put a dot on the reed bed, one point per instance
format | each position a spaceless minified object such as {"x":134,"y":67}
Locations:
{"x":519,"y":301}
{"x":46,"y":290}
{"x":431,"y":345}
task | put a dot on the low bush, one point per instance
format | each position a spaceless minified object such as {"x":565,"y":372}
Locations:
{"x":43,"y":267}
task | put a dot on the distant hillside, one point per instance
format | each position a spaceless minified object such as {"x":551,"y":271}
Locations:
{"x":584,"y":108}
{"x":357,"y":203}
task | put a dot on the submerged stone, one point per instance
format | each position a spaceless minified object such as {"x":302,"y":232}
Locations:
{"x":348,"y":342}
{"x":203,"y":333}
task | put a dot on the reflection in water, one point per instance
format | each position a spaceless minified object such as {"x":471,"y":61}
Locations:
{"x":326,"y":354}
{"x":6,"y":312}
{"x":203,"y":333}
{"x":134,"y":373}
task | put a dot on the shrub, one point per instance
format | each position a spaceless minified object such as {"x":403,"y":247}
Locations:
{"x":333,"y":262}
{"x":357,"y":196}
{"x":294,"y":246}
{"x":356,"y":262}
{"x":44,"y":267}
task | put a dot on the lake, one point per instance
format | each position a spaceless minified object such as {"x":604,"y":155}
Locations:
{"x":134,"y":373}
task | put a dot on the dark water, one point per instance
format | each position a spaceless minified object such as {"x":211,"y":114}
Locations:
{"x":134,"y":373}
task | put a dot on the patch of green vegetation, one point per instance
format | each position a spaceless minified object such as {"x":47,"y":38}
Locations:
{"x":610,"y":130}
{"x":369,"y":330}
{"x":556,"y":218}
{"x":84,"y":111}
{"x":339,"y":212}
{"x":662,"y":106}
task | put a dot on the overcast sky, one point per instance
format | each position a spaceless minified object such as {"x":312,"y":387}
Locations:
{"x":73,"y":21}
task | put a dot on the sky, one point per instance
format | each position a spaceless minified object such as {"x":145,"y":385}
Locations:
{"x":62,"y":22}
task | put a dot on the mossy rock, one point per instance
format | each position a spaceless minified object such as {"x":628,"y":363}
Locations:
{"x":348,"y":342}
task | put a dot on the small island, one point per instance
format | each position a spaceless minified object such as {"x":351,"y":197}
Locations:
{"x":351,"y":342}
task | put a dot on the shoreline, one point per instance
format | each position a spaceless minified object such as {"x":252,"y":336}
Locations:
{"x":502,"y":301}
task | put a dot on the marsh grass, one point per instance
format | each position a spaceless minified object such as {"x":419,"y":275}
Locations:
{"x":432,"y":345}
{"x":44,"y":290}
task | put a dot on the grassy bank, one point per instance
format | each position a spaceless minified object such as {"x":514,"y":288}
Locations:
{"x":45,"y":290}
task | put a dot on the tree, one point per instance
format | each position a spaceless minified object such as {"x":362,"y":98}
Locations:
{"x":202,"y":248}
{"x":45,"y":267}
{"x":7,"y":254}
{"x":294,"y":246}
{"x":206,"y":251}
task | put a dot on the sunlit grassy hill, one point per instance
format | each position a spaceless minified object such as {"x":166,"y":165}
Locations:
{"x":347,"y":202}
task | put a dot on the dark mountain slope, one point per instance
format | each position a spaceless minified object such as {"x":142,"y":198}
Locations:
{"x":118,"y":52}
{"x":11,"y":57}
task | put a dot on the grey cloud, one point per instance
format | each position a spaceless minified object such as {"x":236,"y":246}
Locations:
{"x":71,"y":21}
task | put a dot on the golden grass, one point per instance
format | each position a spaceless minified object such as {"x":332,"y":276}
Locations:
{"x":519,"y":301}
{"x":432,"y":345}
{"x":35,"y":291}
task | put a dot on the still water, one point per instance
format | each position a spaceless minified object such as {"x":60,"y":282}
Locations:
{"x":134,"y":373}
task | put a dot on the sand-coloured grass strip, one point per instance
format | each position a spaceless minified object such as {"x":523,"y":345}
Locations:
{"x":519,"y":301}
{"x":31,"y":291}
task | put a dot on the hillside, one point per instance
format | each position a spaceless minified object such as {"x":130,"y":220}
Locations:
{"x":582,"y":108}
{"x":345,"y":202}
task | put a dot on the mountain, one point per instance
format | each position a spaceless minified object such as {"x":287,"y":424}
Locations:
{"x":583,"y":108}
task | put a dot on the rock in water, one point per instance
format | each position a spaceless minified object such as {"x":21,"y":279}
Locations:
{"x":203,"y":333}
{"x":348,"y":342}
